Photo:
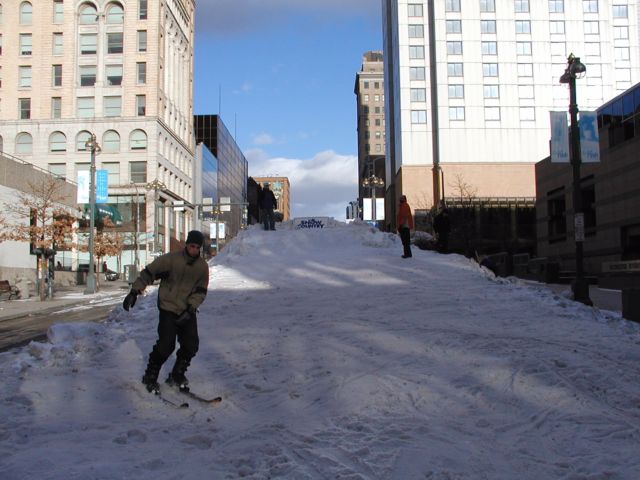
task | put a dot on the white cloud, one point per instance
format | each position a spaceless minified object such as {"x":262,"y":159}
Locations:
{"x":263,"y":139}
{"x":246,"y":87}
{"x":322,"y":185}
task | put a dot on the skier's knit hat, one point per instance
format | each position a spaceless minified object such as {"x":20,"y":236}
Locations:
{"x":195,"y":236}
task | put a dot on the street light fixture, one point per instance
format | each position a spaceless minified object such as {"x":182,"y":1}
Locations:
{"x":576,"y":69}
{"x":137,"y":228}
{"x":92,"y":145}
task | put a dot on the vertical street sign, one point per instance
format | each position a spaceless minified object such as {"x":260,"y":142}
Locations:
{"x":83,"y":186}
{"x":102,"y":186}
{"x":559,"y":137}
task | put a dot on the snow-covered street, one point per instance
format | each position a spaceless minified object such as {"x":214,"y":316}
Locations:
{"x":337,"y":359}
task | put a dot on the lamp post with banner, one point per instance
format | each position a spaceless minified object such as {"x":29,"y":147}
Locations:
{"x":92,"y":145}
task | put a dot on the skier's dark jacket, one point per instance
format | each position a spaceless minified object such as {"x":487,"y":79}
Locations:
{"x":183,"y":281}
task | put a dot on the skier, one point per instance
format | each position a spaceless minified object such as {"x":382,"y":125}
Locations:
{"x":405,"y":225}
{"x":184,"y":279}
{"x":267,"y":203}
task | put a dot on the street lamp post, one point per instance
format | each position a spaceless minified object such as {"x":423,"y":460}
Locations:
{"x":94,"y":148}
{"x":580,"y":286}
{"x":156,"y":185}
{"x":137,"y":228}
{"x":373,"y":182}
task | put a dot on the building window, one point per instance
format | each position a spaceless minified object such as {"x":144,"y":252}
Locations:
{"x":57,"y":142}
{"x":24,"y":107}
{"x":115,"y":14}
{"x":492,"y":114}
{"x":87,"y":75}
{"x":56,"y":72}
{"x":521,"y":6}
{"x":416,"y":73}
{"x":487,"y":5}
{"x":138,"y":172}
{"x":591,"y":28}
{"x":556,"y":6}
{"x":559,"y":49}
{"x":418,"y":95}
{"x":456,"y":91}
{"x":86,"y":107}
{"x":525,"y":70}
{"x":487,"y":26}
{"x":490,"y":69}
{"x":88,"y":44}
{"x":141,"y":105}
{"x":58,"y":44}
{"x":141,"y":68}
{"x":454,"y":26}
{"x":592,"y":49}
{"x":523,"y":27}
{"x":489,"y":48}
{"x":454,"y":48}
{"x":114,"y":42}
{"x":621,"y":53}
{"x":56,"y":107}
{"x":416,"y":51}
{"x":556,"y":215}
{"x":456,"y":113}
{"x":418,"y":116}
{"x":26,"y":13}
{"x":81,"y":141}
{"x":111,"y":142}
{"x":24,"y":143}
{"x":416,"y":31}
{"x":58,"y":169}
{"x":590,"y":6}
{"x":142,"y":41}
{"x":527,"y":114}
{"x":523,"y":48}
{"x":0,"y":44}
{"x":114,"y":75}
{"x":525,"y":91}
{"x":58,"y":11}
{"x":138,"y":140}
{"x":142,"y":9}
{"x":88,"y":14}
{"x":621,"y":33}
{"x":26,"y":44}
{"x":620,"y":11}
{"x":25,"y":76}
{"x":414,"y":10}
{"x":113,"y":172}
{"x":556,"y":27}
{"x":455,"y":70}
{"x":112,"y":106}
{"x":491,"y":91}
{"x":452,"y":6}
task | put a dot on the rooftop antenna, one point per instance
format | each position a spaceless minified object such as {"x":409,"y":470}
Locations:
{"x":219,"y":100}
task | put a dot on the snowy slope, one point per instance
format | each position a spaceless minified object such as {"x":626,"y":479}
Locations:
{"x":337,"y":359}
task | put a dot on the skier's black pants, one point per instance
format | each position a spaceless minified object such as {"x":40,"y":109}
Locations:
{"x":168,"y":330}
{"x":405,"y":236}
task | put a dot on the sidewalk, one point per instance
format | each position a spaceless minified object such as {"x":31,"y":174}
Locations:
{"x":604,"y":299}
{"x":63,"y":297}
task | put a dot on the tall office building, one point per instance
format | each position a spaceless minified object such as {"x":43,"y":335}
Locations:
{"x":120,"y":70}
{"x":469,"y":86}
{"x":369,"y":91}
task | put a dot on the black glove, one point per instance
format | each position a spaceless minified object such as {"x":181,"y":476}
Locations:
{"x":130,"y":300}
{"x":186,"y":315}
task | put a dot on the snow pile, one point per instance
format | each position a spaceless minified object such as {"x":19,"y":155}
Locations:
{"x":336,"y":358}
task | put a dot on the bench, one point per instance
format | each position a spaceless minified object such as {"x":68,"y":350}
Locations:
{"x":6,"y":290}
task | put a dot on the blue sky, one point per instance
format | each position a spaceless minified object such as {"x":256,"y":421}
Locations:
{"x":286,"y":70}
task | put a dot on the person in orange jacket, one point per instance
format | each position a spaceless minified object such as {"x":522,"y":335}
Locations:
{"x":405,"y":225}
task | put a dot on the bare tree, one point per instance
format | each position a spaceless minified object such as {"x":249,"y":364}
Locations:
{"x":464,"y":190}
{"x":107,"y":244}
{"x":42,"y":220}
{"x":465,"y":226}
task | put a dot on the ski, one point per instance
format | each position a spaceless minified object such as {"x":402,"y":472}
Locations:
{"x":195,"y":396}
{"x":165,"y":400}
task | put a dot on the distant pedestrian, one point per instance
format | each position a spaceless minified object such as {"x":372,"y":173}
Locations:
{"x":442,"y":228}
{"x":184,"y":279}
{"x":405,"y":225}
{"x":267,"y":204}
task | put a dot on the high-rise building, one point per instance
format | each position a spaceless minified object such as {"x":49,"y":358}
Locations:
{"x":122,"y":71}
{"x":369,"y":91}
{"x":469,"y":86}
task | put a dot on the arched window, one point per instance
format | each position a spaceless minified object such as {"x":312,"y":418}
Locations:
{"x":26,"y":13}
{"x":115,"y":14}
{"x":57,"y":142}
{"x":138,"y":140}
{"x":88,"y":14}
{"x":111,"y":141}
{"x":24,"y":143}
{"x":81,"y":139}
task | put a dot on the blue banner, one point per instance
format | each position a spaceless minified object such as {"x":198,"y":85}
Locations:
{"x":102,"y":186}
